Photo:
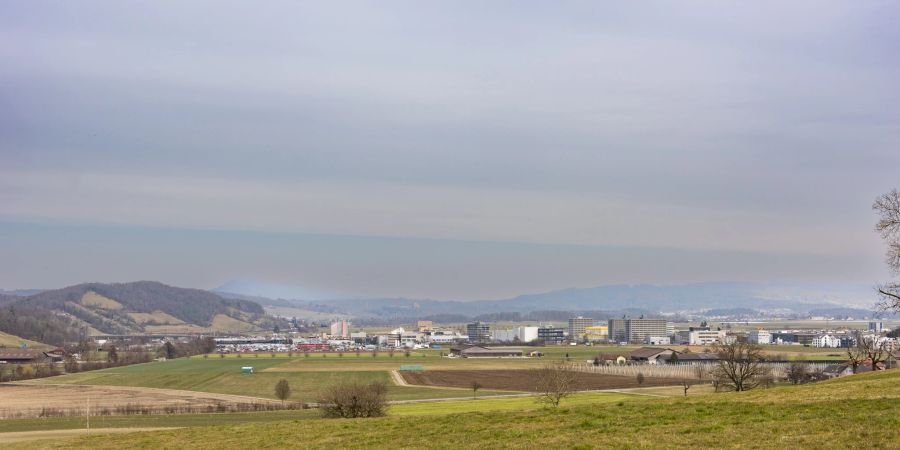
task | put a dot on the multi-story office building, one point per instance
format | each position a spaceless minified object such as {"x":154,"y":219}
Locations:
{"x":578,"y":327}
{"x":479,"y":333}
{"x":551,"y":335}
{"x":638,"y":330}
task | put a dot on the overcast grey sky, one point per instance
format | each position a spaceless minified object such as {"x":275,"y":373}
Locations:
{"x":445,"y":149}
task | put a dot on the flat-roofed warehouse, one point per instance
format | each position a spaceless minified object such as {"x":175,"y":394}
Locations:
{"x":476,"y":351}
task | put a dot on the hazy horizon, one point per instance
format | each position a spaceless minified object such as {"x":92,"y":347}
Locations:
{"x":445,"y":151}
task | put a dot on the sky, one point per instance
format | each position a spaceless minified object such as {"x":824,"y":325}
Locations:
{"x":445,"y":149}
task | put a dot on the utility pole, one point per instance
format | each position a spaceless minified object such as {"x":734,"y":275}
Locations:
{"x":88,"y":413}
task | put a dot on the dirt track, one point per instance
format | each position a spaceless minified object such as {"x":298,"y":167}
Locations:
{"x":19,"y":400}
{"x":525,"y":380}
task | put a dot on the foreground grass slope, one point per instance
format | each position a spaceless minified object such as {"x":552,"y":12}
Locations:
{"x":855,"y":412}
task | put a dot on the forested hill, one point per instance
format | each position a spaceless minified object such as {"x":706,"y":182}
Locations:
{"x":194,"y":306}
{"x":125,"y":308}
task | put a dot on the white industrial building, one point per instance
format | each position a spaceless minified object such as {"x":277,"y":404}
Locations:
{"x":658,"y":340}
{"x":706,"y":337}
{"x":527,"y":334}
{"x":761,"y":337}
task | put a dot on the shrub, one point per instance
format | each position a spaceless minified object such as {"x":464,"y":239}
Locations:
{"x":354,"y":399}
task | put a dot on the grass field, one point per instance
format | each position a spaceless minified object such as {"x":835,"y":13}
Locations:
{"x":198,"y":420}
{"x":223,"y":376}
{"x":860,"y":411}
{"x":152,"y":421}
{"x":8,"y":340}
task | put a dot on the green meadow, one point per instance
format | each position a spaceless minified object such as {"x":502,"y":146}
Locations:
{"x":223,"y":376}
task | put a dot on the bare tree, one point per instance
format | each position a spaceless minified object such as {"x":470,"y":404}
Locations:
{"x":354,"y":399}
{"x":475,"y":387}
{"x":686,"y":384}
{"x":797,"y":372}
{"x":282,"y":390}
{"x":888,"y":208}
{"x":875,"y":349}
{"x":112,"y":354}
{"x":856,"y":355}
{"x":555,"y":382}
{"x":740,"y":366}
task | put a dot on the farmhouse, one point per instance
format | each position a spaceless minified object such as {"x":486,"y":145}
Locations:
{"x":650,"y":355}
{"x":476,"y":351}
{"x":22,"y":356}
{"x":840,"y":370}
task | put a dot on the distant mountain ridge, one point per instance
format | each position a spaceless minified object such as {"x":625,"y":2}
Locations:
{"x":250,"y":288}
{"x":775,"y":298}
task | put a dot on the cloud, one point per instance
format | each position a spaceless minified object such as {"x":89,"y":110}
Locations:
{"x":427,"y":211}
{"x":764,"y":127}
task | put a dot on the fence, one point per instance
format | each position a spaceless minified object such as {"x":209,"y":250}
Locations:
{"x":698,"y":371}
{"x":137,"y":409}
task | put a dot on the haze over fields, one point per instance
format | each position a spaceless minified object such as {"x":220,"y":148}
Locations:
{"x":445,"y":151}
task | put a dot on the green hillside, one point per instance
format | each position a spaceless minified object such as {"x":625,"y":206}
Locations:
{"x":8,"y":340}
{"x":853,"y":412}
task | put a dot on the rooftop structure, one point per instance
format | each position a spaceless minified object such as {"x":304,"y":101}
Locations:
{"x":475,"y":351}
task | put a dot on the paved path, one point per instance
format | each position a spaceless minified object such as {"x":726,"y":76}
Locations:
{"x":398,"y":379}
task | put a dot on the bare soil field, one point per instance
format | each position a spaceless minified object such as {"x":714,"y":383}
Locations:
{"x":25,"y":436}
{"x":19,"y":400}
{"x":526,"y":380}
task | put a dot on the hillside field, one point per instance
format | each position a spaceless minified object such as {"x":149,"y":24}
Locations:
{"x":859,"y":411}
{"x":8,"y":340}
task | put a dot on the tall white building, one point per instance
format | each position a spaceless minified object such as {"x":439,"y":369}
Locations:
{"x":340,"y":328}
